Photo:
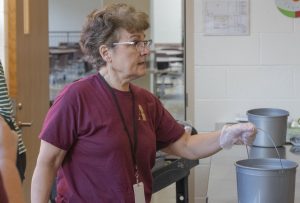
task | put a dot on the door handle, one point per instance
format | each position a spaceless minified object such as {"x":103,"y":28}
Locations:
{"x":24,"y":124}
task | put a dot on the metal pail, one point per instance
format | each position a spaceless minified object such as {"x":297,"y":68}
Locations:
{"x":272,"y":122}
{"x":267,"y":152}
{"x":266,"y":180}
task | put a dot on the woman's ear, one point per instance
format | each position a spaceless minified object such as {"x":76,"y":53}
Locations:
{"x":105,"y":54}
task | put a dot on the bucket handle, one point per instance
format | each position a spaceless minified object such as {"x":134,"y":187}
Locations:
{"x":269,"y":136}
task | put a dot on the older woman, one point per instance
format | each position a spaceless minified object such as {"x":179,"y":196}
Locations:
{"x":101,"y":135}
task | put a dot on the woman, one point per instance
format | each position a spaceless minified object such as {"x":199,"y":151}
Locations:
{"x":102,"y":132}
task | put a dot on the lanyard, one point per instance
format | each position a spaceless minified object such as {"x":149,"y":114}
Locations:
{"x":133,"y":146}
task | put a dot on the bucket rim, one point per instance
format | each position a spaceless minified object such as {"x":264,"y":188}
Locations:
{"x":284,"y":113}
{"x":293,"y":164}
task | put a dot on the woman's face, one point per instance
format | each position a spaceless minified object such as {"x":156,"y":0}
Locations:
{"x":126,"y":60}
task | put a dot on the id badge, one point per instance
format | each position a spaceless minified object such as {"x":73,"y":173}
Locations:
{"x":139,"y":194}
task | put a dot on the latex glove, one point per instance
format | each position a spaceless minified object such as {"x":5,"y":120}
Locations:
{"x":241,"y":133}
{"x":188,"y":129}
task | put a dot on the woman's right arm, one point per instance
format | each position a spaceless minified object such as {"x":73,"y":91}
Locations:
{"x":48,"y":162}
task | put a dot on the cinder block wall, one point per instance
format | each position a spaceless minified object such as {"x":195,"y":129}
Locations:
{"x":236,"y":73}
{"x":233,"y":74}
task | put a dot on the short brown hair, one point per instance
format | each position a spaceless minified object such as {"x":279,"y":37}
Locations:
{"x":101,"y":27}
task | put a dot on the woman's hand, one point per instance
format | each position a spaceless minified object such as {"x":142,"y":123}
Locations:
{"x":241,"y":133}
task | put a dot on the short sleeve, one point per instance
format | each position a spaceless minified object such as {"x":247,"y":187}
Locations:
{"x":60,"y":125}
{"x":168,"y":130}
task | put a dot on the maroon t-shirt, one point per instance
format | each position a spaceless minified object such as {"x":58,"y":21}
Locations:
{"x":98,"y":166}
{"x":3,"y":197}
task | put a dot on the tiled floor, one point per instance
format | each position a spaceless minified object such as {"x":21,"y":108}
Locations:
{"x":166,"y":195}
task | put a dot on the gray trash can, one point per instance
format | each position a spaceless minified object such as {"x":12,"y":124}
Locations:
{"x":266,"y":180}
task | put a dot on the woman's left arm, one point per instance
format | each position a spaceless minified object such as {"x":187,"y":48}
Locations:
{"x":196,"y":146}
{"x":206,"y":144}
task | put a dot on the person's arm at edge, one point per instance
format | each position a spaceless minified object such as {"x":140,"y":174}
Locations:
{"x":48,"y":162}
{"x":11,"y":181}
{"x":10,"y":176}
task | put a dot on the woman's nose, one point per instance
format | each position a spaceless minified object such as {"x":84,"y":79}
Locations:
{"x":145,"y":51}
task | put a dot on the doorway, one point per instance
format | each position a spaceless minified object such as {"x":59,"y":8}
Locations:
{"x":27,"y":68}
{"x":168,"y":78}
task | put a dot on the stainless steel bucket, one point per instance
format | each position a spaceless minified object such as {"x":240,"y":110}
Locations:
{"x":272,"y":122}
{"x":266,"y":180}
{"x":266,"y":152}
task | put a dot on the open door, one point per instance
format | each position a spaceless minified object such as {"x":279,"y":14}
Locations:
{"x":28,"y":70}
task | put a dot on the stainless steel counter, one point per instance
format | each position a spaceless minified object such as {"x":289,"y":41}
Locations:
{"x":222,"y":179}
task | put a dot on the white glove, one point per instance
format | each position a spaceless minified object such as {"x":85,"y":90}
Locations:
{"x":188,"y":129}
{"x":241,"y":133}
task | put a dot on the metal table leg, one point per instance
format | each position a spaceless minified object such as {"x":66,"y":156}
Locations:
{"x":182,"y":195}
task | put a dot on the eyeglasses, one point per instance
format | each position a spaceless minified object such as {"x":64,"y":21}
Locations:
{"x":139,"y":45}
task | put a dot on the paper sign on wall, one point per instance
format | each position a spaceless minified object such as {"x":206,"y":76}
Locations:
{"x":226,"y":17}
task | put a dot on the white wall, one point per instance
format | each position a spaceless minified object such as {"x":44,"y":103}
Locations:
{"x":167,"y":21}
{"x":69,"y":15}
{"x":236,"y":73}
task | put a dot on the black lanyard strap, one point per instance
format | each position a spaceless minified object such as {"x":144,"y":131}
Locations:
{"x":133,"y":146}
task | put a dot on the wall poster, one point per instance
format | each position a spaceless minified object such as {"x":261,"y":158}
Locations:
{"x":226,"y":17}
